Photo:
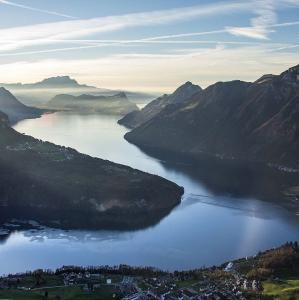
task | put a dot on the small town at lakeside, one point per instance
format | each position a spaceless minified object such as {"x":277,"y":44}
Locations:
{"x":273,"y":274}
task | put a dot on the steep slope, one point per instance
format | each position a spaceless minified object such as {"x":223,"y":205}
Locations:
{"x":60,"y":187}
{"x":117,"y":104}
{"x":14,"y":109}
{"x":235,"y":120}
{"x":136,"y":118}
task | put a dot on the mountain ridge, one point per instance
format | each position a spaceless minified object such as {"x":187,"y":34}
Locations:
{"x":181,"y":94}
{"x":14,"y":109}
{"x":117,"y":104}
{"x":34,"y":93}
{"x":233,"y":120}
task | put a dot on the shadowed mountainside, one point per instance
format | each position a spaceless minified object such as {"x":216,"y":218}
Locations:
{"x":58,"y":186}
{"x":14,"y":109}
{"x":256,"y":121}
{"x":136,"y":118}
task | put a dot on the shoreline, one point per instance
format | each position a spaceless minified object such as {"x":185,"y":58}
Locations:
{"x":286,"y":197}
{"x":245,"y":278}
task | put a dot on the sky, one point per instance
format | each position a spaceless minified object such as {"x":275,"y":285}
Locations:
{"x":150,"y":46}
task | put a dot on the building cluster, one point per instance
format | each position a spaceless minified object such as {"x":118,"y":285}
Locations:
{"x":57,"y":153}
{"x":9,"y":282}
{"x":228,"y":285}
{"x":164,"y":288}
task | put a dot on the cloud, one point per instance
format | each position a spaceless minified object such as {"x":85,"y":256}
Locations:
{"x":250,"y":32}
{"x":162,"y":37}
{"x":292,"y":2}
{"x":36,"y":9}
{"x":13,"y":44}
{"x":6,"y":45}
{"x":70,"y":31}
{"x":259,"y":29}
{"x":40,"y":34}
{"x":285,"y":24}
{"x":90,"y":44}
{"x":138,"y":71}
{"x":287,"y":47}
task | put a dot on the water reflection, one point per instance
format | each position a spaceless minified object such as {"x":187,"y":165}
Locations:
{"x":219,"y":219}
{"x":232,"y":179}
{"x":75,"y":235}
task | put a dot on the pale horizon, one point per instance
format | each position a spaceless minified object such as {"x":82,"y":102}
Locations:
{"x":156,"y":92}
{"x":144,"y":47}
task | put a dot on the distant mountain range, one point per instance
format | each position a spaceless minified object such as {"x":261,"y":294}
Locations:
{"x":58,"y":186}
{"x":14,"y":109}
{"x":234,"y":120}
{"x":41,"y":92}
{"x":117,"y":104}
{"x":136,"y":118}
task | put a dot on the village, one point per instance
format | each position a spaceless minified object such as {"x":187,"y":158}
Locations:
{"x":210,"y":284}
{"x":269,"y":273}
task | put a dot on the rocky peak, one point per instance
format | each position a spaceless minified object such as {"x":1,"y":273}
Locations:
{"x":59,"y":80}
{"x":188,"y":87}
{"x":185,"y":91}
{"x":265,"y":78}
{"x":291,"y":75}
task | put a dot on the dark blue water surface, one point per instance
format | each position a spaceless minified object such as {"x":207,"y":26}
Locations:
{"x":206,"y":229}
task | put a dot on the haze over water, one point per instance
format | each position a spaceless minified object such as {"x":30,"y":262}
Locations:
{"x":205,"y":229}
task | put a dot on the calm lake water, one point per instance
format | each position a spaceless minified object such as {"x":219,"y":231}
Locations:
{"x":206,"y":229}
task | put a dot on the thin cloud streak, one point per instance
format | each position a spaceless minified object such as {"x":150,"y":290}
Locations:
{"x":161,"y":37}
{"x":47,"y":33}
{"x":80,"y":28}
{"x":225,"y":30}
{"x":256,"y":34}
{"x":52,"y":50}
{"x":10,"y":44}
{"x":259,"y":29}
{"x":285,"y":48}
{"x":110,"y":43}
{"x":139,"y":71}
{"x":286,"y":24}
{"x":36,"y":9}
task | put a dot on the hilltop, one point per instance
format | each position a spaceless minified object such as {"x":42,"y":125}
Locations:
{"x":181,"y":94}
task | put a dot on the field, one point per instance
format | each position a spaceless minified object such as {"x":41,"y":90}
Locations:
{"x":282,"y":289}
{"x":63,"y":293}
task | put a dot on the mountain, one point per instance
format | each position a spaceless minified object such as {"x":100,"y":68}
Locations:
{"x":256,"y":121}
{"x":59,"y":81}
{"x":53,"y":82}
{"x":58,"y":186}
{"x":117,"y":104}
{"x":136,"y":118}
{"x":39,"y":93}
{"x":14,"y":109}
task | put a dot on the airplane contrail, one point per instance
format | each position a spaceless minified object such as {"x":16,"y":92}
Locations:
{"x":49,"y":12}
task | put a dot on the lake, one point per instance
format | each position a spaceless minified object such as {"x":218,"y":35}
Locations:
{"x":207,"y":228}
